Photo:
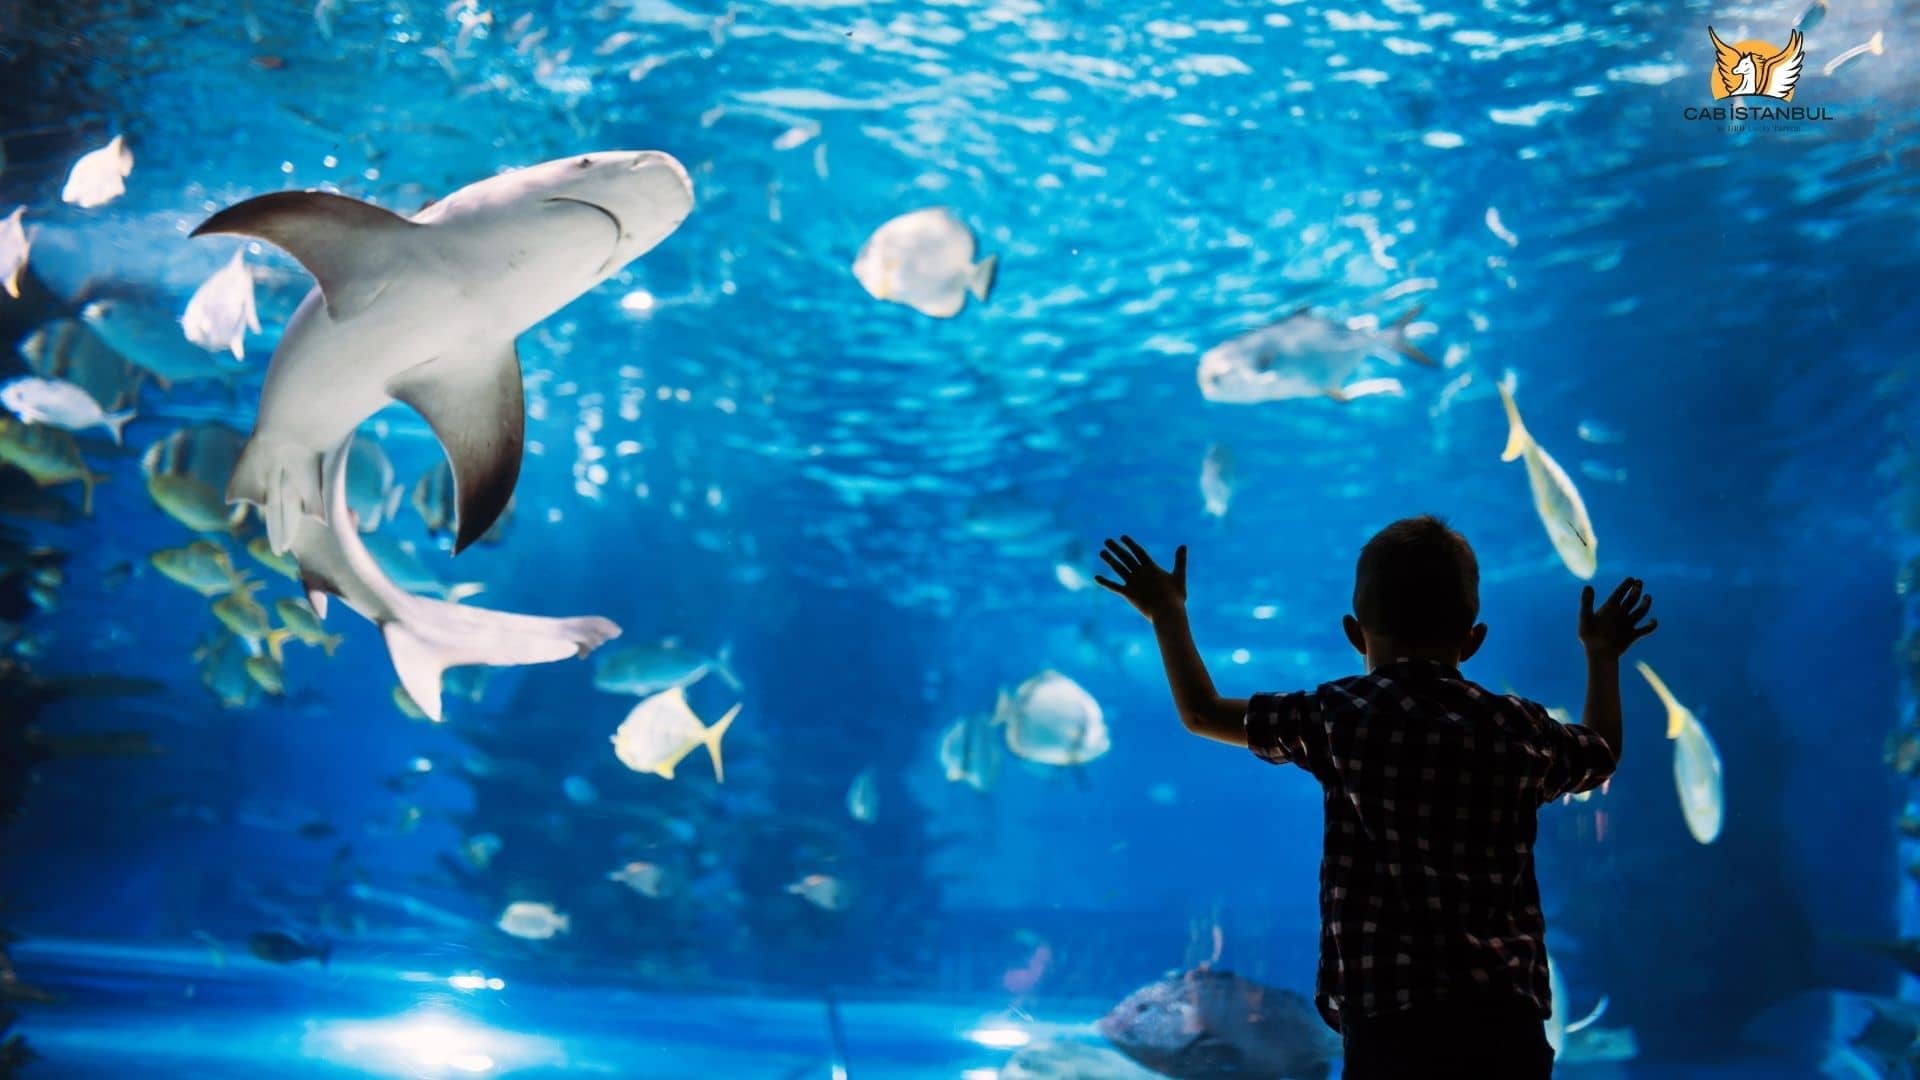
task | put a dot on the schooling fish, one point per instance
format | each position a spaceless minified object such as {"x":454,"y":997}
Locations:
{"x":642,"y":877}
{"x":267,"y":673}
{"x":66,"y":349}
{"x":425,"y":310}
{"x":223,"y":669}
{"x":925,"y":260}
{"x":280,"y":564}
{"x":149,"y":339}
{"x":60,"y":403}
{"x":424,"y":636}
{"x":239,"y":612}
{"x":1304,"y":356}
{"x":222,"y":309}
{"x":186,"y":471}
{"x":645,"y":670}
{"x":49,"y":455}
{"x":372,"y":494}
{"x":1696,"y":764}
{"x":435,"y":499}
{"x":100,"y":176}
{"x":661,"y":731}
{"x":824,"y":891}
{"x":303,"y":625}
{"x":202,"y":566}
{"x":15,"y":245}
{"x":1555,"y":499}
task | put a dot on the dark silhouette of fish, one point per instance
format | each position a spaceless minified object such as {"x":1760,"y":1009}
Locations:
{"x":276,"y":947}
{"x":1214,"y":1025}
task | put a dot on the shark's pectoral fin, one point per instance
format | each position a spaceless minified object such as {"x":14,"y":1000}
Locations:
{"x":346,"y":244}
{"x":476,"y":406}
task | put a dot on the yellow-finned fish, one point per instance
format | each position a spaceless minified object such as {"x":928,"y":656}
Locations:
{"x":1554,"y":496}
{"x":301,"y":622}
{"x":203,"y":566}
{"x":262,"y":553}
{"x":662,"y":730}
{"x":239,"y":612}
{"x":1696,"y":764}
{"x":49,"y":455}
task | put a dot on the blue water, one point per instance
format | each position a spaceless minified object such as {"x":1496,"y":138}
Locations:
{"x":867,"y":507}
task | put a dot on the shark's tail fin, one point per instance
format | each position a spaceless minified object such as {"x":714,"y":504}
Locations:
{"x":283,"y":480}
{"x":435,"y":635}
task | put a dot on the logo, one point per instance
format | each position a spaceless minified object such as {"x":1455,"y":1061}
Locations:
{"x":1755,"y":68}
{"x":1750,"y":69}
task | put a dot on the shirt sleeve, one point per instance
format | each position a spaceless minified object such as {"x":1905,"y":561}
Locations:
{"x":1578,"y":759}
{"x":1290,"y":728}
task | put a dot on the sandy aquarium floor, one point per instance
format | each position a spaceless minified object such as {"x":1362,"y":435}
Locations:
{"x":190,"y":1013}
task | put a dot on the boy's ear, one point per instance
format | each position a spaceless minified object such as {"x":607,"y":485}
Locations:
{"x":1475,"y":638}
{"x":1355,"y":635}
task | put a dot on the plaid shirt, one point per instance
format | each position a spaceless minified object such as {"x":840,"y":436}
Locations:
{"x":1432,"y":783}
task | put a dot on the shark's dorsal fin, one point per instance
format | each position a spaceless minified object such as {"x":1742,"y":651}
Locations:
{"x":475,"y":405}
{"x":341,"y":241}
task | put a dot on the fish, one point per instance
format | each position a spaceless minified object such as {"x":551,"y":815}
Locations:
{"x":372,"y":494}
{"x":662,"y":730}
{"x":1812,"y":17}
{"x":280,"y":564}
{"x":48,"y":455}
{"x":223,"y":669}
{"x":150,"y":339}
{"x":863,"y":797}
{"x":1696,"y":763}
{"x":61,"y":404}
{"x":66,"y":349}
{"x":456,"y":284}
{"x":239,"y":612}
{"x":823,"y":891}
{"x":400,"y":560}
{"x":642,"y":877}
{"x":100,"y":176}
{"x":203,"y":566}
{"x":579,"y":790}
{"x":532,"y":921}
{"x":186,"y":471}
{"x":435,"y":500}
{"x":267,"y":674}
{"x":1050,"y":720}
{"x":277,"y":947}
{"x":408,"y":707}
{"x":15,"y":246}
{"x":222,"y":309}
{"x":1210,"y":1023}
{"x":1558,"y":1028}
{"x":1555,"y":499}
{"x":925,"y":260}
{"x":1216,"y":479}
{"x":479,"y":849}
{"x":971,"y":751}
{"x":424,"y":636}
{"x":303,"y":625}
{"x":646,"y":670}
{"x":1305,"y":356}
{"x":1071,"y":1061}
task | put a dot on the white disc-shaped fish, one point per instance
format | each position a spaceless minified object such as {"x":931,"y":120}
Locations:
{"x":1555,"y":499}
{"x":100,"y":176}
{"x":222,"y":309}
{"x":14,"y":247}
{"x":1052,"y":721}
{"x":925,"y":260}
{"x":662,"y":730}
{"x":1696,"y":764}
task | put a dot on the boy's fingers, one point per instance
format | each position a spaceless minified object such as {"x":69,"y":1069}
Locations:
{"x":1619,"y":593}
{"x":1138,"y":551}
{"x":1586,"y":602}
{"x":1118,"y":566}
{"x":1180,"y":561}
{"x":1112,"y":585}
{"x":1119,"y":557}
{"x":1647,"y":629}
{"x":1640,"y":610}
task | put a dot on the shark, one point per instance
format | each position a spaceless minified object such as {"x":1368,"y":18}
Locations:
{"x":424,"y":636}
{"x":426,"y":310}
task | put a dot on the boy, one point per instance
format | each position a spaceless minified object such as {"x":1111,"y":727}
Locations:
{"x":1432,"y":942}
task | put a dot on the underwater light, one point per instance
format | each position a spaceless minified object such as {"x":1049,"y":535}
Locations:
{"x":429,"y":1043}
{"x":474,"y":980}
{"x":980,"y":1074}
{"x":1000,"y":1038}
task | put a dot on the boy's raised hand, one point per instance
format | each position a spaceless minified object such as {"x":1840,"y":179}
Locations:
{"x":1614,"y":628}
{"x":1151,"y":590}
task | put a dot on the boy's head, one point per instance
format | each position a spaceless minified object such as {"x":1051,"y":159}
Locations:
{"x":1416,"y":594}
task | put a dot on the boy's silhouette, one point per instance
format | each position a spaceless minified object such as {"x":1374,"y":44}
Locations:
{"x":1432,"y":942}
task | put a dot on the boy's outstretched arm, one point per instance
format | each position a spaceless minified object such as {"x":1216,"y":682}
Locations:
{"x":1607,"y":634}
{"x":1162,"y":598}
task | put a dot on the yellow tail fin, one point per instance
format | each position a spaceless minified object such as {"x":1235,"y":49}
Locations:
{"x":712,"y":738}
{"x":1517,"y":438}
{"x":330,"y":642}
{"x":276,"y":641}
{"x":1676,"y":712}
